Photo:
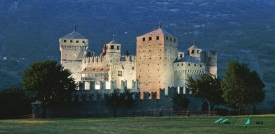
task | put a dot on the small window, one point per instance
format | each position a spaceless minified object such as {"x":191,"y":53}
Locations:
{"x":117,"y":47}
{"x":150,"y":38}
{"x":119,"y":73}
{"x":192,"y":51}
{"x":83,"y":41}
{"x":143,"y":39}
{"x":112,"y":46}
{"x":174,"y":39}
{"x":188,"y":64}
{"x":195,"y":65}
{"x":166,"y":38}
{"x":200,"y":65}
{"x":170,"y":39}
{"x":71,"y":41}
{"x":65,"y":40}
{"x":198,"y":51}
{"x":157,"y":37}
{"x":180,"y":55}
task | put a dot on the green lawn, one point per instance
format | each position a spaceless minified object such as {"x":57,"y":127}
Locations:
{"x":167,"y":125}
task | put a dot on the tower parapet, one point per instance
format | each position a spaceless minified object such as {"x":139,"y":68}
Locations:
{"x":74,"y":48}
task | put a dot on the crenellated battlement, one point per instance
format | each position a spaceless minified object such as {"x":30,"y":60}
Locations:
{"x":94,"y":60}
{"x":99,"y":95}
{"x":130,"y":58}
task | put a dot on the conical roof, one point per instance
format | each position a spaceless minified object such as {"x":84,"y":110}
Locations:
{"x":157,"y":32}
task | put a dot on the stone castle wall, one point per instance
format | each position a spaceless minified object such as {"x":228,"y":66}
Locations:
{"x":93,"y":101}
{"x":72,"y":53}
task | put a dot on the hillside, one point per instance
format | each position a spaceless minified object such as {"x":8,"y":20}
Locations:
{"x":240,"y":30}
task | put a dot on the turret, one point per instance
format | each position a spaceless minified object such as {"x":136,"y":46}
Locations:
{"x":112,"y":51}
{"x":195,"y":52}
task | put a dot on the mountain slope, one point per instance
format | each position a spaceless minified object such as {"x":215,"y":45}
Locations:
{"x":241,"y":30}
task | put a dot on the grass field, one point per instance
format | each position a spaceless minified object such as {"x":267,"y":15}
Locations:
{"x":154,"y":125}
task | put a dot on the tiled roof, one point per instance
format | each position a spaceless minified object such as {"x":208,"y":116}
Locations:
{"x":74,"y":35}
{"x":95,"y":70}
{"x":189,"y":59}
{"x":156,"y":32}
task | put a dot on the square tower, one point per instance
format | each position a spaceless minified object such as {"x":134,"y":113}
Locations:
{"x":156,"y":52}
{"x":73,"y":49}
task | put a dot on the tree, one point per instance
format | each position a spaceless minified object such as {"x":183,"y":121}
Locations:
{"x":116,"y":100}
{"x":14,"y":103}
{"x":181,"y":100}
{"x":48,"y":82}
{"x":241,"y":86}
{"x":208,"y":87}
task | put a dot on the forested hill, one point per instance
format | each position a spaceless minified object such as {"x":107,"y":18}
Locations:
{"x":243,"y":30}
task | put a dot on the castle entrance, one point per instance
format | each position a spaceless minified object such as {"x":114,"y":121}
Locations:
{"x":205,"y":106}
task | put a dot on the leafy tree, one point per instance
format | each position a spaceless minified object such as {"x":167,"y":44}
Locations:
{"x":181,"y":100}
{"x":116,"y":100}
{"x":48,"y":82}
{"x":208,"y":87}
{"x":241,"y":86}
{"x":14,"y":103}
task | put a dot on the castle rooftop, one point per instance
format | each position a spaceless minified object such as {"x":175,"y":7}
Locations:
{"x":74,"y":35}
{"x":113,"y":41}
{"x":157,"y":32}
{"x":193,"y":47}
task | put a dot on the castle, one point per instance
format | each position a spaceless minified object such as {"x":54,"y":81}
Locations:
{"x":158,"y":63}
{"x":154,"y":75}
